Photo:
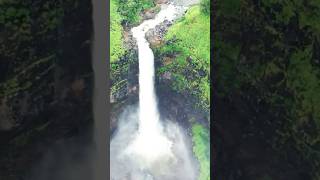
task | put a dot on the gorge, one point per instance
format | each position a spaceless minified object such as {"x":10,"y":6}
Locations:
{"x":146,"y":147}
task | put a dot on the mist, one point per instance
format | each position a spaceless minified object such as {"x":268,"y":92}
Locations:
{"x":69,"y":159}
{"x":124,"y":166}
{"x":146,"y":147}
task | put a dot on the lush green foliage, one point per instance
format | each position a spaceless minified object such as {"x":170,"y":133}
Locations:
{"x":267,"y":52}
{"x":116,"y":41}
{"x":21,"y":25}
{"x":31,"y":32}
{"x":205,"y":6}
{"x":131,"y":9}
{"x":123,"y":12}
{"x":189,"y":40}
{"x":201,"y":149}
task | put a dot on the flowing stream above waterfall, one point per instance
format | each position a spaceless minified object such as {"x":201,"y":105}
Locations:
{"x":144,"y":146}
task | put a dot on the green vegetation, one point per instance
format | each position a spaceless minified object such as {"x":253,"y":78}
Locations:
{"x":123,"y":15}
{"x":127,"y":12}
{"x":22,"y":80}
{"x":205,"y":6}
{"x":186,"y":55}
{"x":123,"y":12}
{"x":189,"y":40}
{"x":25,"y":33}
{"x":131,"y":9}
{"x":117,"y":48}
{"x":201,"y":149}
{"x":116,"y":42}
{"x":268,"y":54}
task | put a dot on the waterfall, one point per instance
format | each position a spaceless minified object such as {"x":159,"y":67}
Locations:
{"x":144,"y":147}
{"x":151,"y":144}
{"x":148,"y":113}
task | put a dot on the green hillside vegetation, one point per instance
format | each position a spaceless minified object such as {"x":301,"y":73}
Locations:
{"x":188,"y":47}
{"x":131,"y":9}
{"x":123,"y":12}
{"x":116,"y":43}
{"x":201,"y":149}
{"x":268,"y":54}
{"x":189,"y":40}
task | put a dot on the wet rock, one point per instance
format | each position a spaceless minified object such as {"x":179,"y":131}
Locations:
{"x":160,"y":29}
{"x":166,"y":75}
{"x":155,"y":36}
{"x":167,"y":60}
{"x":124,"y":81}
{"x":155,"y":41}
{"x":119,"y":91}
{"x":129,"y":41}
{"x":178,"y":108}
{"x":162,"y":1}
{"x":133,"y":89}
{"x":149,"y":14}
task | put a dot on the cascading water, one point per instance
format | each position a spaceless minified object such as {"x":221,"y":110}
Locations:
{"x":143,"y":149}
{"x":151,"y":144}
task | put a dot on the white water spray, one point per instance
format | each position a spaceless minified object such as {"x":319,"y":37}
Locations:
{"x":150,"y":152}
{"x":151,"y":144}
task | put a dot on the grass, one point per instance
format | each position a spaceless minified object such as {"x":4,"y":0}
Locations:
{"x":201,"y":149}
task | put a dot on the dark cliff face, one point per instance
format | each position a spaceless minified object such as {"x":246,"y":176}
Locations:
{"x":45,"y":79}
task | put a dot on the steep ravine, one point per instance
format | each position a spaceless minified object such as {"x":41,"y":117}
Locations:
{"x":146,"y":146}
{"x":174,"y":106}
